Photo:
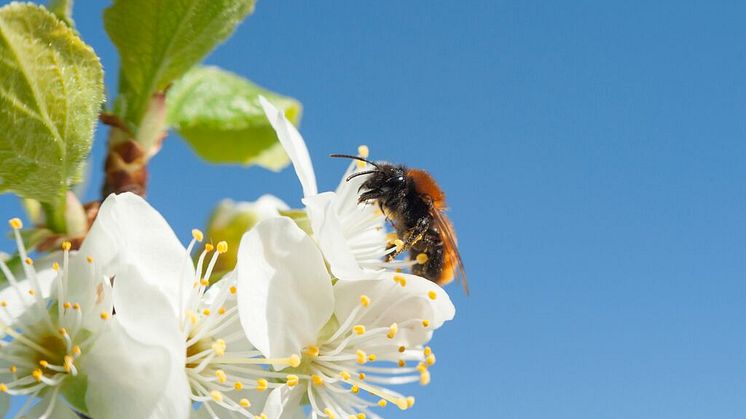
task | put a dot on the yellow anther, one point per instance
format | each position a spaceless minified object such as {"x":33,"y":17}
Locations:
{"x":364,"y":300}
{"x":76,"y":306}
{"x":399,"y":245}
{"x":402,"y":363}
{"x":361,"y":356}
{"x":13,"y":369}
{"x":204,"y":282}
{"x":410,"y":401}
{"x":197,"y":234}
{"x":43,"y":363}
{"x":359,"y":329}
{"x":89,"y":259}
{"x":104,"y":315}
{"x":3,"y":303}
{"x":192,"y":317}
{"x":402,"y":403}
{"x":382,"y":402}
{"x":393,"y":330}
{"x":245,"y":403}
{"x":209,"y":247}
{"x":76,"y":350}
{"x":29,"y":261}
{"x":372,"y":357}
{"x":361,"y":416}
{"x":317,"y":379}
{"x":15,"y":223}
{"x":206,"y":312}
{"x":355,"y":389}
{"x":432,"y":295}
{"x":430,"y":360}
{"x":3,"y":388}
{"x":68,"y":363}
{"x":401,"y":280}
{"x":427,"y":351}
{"x":328,"y":412}
{"x":292,"y":380}
{"x":313,"y":350}
{"x":222,"y":378}
{"x":426,"y":323}
{"x":222,"y":246}
{"x":216,"y":395}
{"x":422,"y":258}
{"x":31,"y":292}
{"x":221,"y":310}
{"x":345,"y":375}
{"x":37,"y":374}
{"x":261,"y":384}
{"x":421,"y":367}
{"x":219,"y":347}
{"x":361,"y":376}
{"x":363,"y":151}
{"x":66,"y":245}
{"x":232,"y":289}
{"x":56,"y":266}
{"x":238,"y":386}
{"x":294,"y":361}
{"x":425,"y":377}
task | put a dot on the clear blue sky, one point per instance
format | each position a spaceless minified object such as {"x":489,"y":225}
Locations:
{"x":593,"y":155}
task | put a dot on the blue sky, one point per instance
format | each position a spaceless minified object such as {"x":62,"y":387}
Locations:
{"x":593,"y":156}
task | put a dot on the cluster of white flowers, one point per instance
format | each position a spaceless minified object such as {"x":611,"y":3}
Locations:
{"x":308,"y":324}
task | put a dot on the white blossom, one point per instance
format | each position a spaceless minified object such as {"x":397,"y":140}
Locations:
{"x":62,"y":348}
{"x":355,"y":338}
{"x":351,"y":235}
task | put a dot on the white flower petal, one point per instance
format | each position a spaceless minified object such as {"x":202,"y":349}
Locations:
{"x":285,"y":403}
{"x":327,"y":228}
{"x":294,"y":146}
{"x":145,"y":313}
{"x":14,"y":305}
{"x":60,"y":410}
{"x":284,"y":291}
{"x":128,"y":230}
{"x":392,"y":303}
{"x":125,"y":378}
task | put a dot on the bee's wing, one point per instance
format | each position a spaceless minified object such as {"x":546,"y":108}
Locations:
{"x":448,"y":235}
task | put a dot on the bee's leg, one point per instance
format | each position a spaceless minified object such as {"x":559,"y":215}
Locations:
{"x":411,"y":237}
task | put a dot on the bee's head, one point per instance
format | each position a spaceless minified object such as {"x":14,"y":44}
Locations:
{"x":383,"y":180}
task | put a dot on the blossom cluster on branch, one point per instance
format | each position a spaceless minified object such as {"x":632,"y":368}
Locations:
{"x":313,"y":321}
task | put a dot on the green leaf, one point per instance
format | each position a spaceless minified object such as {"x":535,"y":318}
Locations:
{"x":219,"y":114}
{"x":63,"y":9}
{"x":51,"y":90}
{"x":160,"y":40}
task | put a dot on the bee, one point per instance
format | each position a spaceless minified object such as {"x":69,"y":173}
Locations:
{"x":415,"y":206}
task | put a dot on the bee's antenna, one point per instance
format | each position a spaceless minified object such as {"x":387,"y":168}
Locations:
{"x":350,"y":156}
{"x":354,"y":175}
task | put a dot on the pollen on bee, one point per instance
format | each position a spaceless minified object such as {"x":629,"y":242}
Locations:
{"x":422,"y":259}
